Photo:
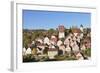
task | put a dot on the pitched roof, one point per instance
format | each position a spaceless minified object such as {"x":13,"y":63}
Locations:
{"x":76,"y":30}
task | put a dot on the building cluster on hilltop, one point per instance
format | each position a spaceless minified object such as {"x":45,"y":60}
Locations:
{"x":71,"y":45}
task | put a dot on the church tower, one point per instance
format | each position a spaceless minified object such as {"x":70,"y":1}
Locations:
{"x":61,"y":30}
{"x":81,"y":28}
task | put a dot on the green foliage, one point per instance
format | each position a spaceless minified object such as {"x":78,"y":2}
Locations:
{"x":30,"y":35}
{"x":26,"y":39}
{"x":66,"y":32}
{"x":51,"y":32}
{"x":88,"y":52}
{"x":64,"y":57}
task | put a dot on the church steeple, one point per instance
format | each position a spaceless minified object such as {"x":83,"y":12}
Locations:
{"x":61,"y":30}
{"x":81,"y":28}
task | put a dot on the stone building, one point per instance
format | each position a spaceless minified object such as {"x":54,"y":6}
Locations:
{"x":61,"y":30}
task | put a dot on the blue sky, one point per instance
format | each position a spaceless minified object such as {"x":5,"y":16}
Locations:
{"x":35,"y":19}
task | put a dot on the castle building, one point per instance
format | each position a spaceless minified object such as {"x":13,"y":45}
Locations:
{"x":61,"y":30}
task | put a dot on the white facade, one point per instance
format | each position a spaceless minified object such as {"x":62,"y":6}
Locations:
{"x":46,"y":41}
{"x":52,"y":54}
{"x":81,"y":28}
{"x":75,"y":34}
{"x":66,"y":42}
{"x":40,"y":40}
{"x":59,"y":43}
{"x":53,"y":36}
{"x":33,"y":42}
{"x":61,"y":35}
{"x":68,"y":49}
{"x":24,"y":51}
{"x":28,"y":51}
{"x":78,"y":39}
{"x":75,"y":47}
{"x":52,"y":42}
{"x":81,"y":35}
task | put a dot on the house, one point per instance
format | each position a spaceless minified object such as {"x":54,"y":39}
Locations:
{"x":74,"y":38}
{"x":81,"y":35}
{"x":79,"y":56}
{"x":66,"y":42}
{"x":28,"y":51}
{"x":40,"y":48}
{"x":52,"y":52}
{"x":70,"y":35}
{"x":59,"y":42}
{"x":88,"y":34}
{"x":32,"y":45}
{"x":87,"y":42}
{"x":68,"y":49}
{"x":24,"y":51}
{"x":53,"y":40}
{"x":39,"y":40}
{"x":33,"y":42}
{"x":74,"y":46}
{"x":46,"y":41}
{"x":78,"y":38}
{"x":61,"y":30}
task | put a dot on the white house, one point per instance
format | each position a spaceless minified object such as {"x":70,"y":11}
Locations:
{"x":28,"y":51}
{"x":52,"y":52}
{"x":59,"y":42}
{"x":74,"y":38}
{"x":78,"y":38}
{"x":53,"y":40}
{"x":75,"y":47}
{"x":61,"y":35}
{"x":24,"y":51}
{"x":33,"y":42}
{"x":51,"y":46}
{"x":46,"y":41}
{"x":39,"y":40}
{"x":68,"y":49}
{"x":70,"y":35}
{"x":66,"y":42}
{"x":81,"y":35}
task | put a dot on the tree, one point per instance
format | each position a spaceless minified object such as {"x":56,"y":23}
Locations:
{"x":50,"y":32}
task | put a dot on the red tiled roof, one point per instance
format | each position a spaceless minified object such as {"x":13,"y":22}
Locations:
{"x":76,"y":30}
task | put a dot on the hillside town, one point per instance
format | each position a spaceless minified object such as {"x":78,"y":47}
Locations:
{"x":63,"y":44}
